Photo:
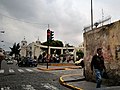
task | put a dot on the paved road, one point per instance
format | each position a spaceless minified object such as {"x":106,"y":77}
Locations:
{"x":13,"y":77}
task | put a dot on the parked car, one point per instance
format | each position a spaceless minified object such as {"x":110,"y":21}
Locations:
{"x":27,"y":62}
{"x":80,"y":63}
{"x":9,"y":61}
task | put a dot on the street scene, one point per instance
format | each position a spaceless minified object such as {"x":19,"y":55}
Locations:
{"x":59,"y":45}
{"x":15,"y":78}
{"x":31,"y":78}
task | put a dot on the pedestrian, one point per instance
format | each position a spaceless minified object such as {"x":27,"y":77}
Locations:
{"x":97,"y":64}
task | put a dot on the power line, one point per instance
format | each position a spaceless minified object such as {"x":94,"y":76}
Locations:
{"x":21,"y":20}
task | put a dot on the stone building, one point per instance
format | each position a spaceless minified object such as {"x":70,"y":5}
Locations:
{"x":35,"y":49}
{"x":107,"y":37}
{"x":23,"y":51}
{"x":31,"y":49}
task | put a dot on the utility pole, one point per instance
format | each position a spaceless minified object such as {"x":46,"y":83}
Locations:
{"x":91,"y":15}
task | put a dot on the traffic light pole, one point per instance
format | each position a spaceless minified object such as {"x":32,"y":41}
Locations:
{"x":50,"y":37}
{"x":48,"y":54}
{"x":48,"y":41}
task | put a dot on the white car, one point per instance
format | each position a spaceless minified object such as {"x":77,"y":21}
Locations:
{"x":9,"y":61}
{"x":80,"y":62}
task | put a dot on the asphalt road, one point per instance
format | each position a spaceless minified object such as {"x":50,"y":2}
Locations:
{"x":13,"y":77}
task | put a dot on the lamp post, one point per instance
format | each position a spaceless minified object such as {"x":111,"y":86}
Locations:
{"x":91,"y":15}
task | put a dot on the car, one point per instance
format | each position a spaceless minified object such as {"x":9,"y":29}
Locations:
{"x":28,"y":62}
{"x":80,"y":63}
{"x":9,"y":61}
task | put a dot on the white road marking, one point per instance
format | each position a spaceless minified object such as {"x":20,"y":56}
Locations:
{"x":20,"y":70}
{"x":2,"y":71}
{"x":28,"y":87}
{"x":5,"y":88}
{"x":11,"y":71}
{"x":49,"y":86}
{"x":29,"y":70}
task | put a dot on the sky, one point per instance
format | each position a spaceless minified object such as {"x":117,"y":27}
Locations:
{"x":67,"y":18}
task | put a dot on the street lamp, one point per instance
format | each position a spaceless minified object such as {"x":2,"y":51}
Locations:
{"x":91,"y":15}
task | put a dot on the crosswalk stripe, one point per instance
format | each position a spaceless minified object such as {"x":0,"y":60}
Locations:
{"x":2,"y":71}
{"x":5,"y":88}
{"x":25,"y":87}
{"x":11,"y":71}
{"x":49,"y":86}
{"x":28,"y":87}
{"x":20,"y":70}
{"x":29,"y":70}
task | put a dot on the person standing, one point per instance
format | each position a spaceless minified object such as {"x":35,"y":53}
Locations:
{"x":98,"y":64}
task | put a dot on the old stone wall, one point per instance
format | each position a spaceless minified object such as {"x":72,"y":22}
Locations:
{"x":107,"y":37}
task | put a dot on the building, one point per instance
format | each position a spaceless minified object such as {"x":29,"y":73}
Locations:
{"x":31,"y":49}
{"x":35,"y":49}
{"x":107,"y":37}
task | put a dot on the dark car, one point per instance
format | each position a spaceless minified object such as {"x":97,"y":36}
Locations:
{"x":27,"y":62}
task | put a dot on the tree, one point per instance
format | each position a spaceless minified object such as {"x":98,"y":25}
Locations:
{"x":54,"y":43}
{"x":15,"y":50}
{"x":80,"y":54}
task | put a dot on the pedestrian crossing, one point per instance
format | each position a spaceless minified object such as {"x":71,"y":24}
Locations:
{"x":23,"y":87}
{"x":10,"y":70}
{"x":44,"y":86}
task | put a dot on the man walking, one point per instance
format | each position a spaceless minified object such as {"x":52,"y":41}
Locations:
{"x":98,"y":64}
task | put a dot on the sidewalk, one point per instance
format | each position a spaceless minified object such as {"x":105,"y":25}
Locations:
{"x":74,"y":81}
{"x":77,"y":82}
{"x":58,"y":67}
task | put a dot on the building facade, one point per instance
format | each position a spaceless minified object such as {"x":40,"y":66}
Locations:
{"x":107,"y":37}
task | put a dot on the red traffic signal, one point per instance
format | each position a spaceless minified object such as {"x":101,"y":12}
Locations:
{"x":48,"y":35}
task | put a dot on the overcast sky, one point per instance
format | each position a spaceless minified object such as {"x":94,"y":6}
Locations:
{"x":67,"y":18}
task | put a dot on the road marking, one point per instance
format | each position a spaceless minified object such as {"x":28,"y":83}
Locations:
{"x":2,"y":71}
{"x":28,"y":87}
{"x":29,"y":70}
{"x":20,"y":70}
{"x":11,"y":71}
{"x":49,"y":86}
{"x":5,"y":88}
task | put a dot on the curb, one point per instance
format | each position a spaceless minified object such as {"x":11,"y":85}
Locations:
{"x":58,"y":64}
{"x":66,"y":68}
{"x":62,"y":82}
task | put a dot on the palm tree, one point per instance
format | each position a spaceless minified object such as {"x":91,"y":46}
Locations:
{"x":15,"y":50}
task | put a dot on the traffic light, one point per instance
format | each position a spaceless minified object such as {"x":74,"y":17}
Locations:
{"x":48,"y":35}
{"x":51,"y":35}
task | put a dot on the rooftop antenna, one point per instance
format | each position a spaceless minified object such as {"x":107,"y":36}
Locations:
{"x":102,"y":17}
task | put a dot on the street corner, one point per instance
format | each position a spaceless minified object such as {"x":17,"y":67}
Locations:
{"x":65,"y":78}
{"x":57,"y":68}
{"x":50,"y":69}
{"x":62,"y":64}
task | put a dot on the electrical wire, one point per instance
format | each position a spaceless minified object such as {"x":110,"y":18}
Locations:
{"x":21,"y":20}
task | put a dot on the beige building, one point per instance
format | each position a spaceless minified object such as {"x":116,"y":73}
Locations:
{"x":107,"y":37}
{"x":30,"y":50}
